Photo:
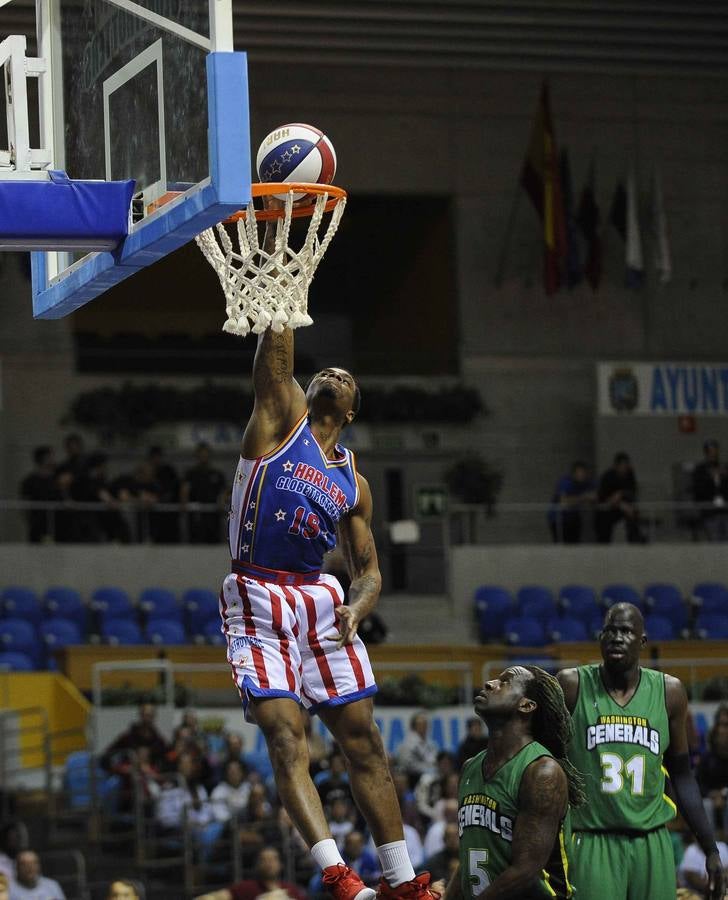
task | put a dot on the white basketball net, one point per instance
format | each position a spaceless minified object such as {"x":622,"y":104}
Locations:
{"x":268,"y":290}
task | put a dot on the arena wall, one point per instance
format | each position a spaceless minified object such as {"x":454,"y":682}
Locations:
{"x":463,"y":134}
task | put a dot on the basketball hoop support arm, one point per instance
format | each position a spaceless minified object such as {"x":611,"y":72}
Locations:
{"x":222,"y":194}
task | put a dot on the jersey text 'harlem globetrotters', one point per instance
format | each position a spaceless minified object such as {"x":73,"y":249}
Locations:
{"x":286,"y":505}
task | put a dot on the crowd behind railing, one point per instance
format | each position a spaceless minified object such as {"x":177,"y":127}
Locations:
{"x":203,"y":814}
{"x":78,"y":501}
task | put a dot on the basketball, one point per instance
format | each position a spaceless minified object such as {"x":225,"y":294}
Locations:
{"x":296,"y":152}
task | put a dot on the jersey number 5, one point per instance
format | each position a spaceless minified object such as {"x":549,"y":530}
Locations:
{"x":309,"y":528}
{"x":479,"y":877}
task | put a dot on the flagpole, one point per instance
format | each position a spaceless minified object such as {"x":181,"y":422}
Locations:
{"x":505,"y":246}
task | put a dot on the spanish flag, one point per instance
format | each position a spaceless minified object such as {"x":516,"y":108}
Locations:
{"x":541,"y":179}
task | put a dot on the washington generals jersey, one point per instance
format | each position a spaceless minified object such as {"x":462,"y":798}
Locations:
{"x":286,"y":504}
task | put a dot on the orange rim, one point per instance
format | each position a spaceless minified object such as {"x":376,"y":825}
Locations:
{"x":286,"y":187}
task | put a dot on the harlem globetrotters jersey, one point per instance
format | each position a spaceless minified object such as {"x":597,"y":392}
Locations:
{"x":286,"y":504}
{"x":619,"y":751}
{"x":487,"y":815}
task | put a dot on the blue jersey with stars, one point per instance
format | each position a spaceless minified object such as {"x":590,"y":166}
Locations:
{"x":286,"y":504}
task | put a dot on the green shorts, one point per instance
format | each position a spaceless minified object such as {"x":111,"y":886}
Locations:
{"x":615,"y":866}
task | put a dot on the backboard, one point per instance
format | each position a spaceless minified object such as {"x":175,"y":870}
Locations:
{"x":142,"y":89}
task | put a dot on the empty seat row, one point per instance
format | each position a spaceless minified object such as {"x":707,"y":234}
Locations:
{"x":537,"y":615}
{"x":195,"y":610}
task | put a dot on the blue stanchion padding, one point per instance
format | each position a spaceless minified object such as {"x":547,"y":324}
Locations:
{"x":62,"y":214}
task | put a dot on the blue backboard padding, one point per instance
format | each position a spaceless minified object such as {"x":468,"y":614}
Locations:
{"x":227,"y":191}
{"x":62,"y":214}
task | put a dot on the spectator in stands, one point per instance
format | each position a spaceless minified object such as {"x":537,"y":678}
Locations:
{"x":417,"y":754}
{"x":333,"y":782}
{"x":185,"y":800}
{"x":435,"y":836}
{"x":572,"y":494}
{"x":267,"y":882}
{"x":441,"y":865}
{"x":13,"y":839}
{"x":29,"y":883}
{"x":40,"y":486}
{"x":75,"y":461}
{"x":341,"y":820}
{"x":203,"y":484}
{"x":166,"y":530}
{"x":710,"y":485}
{"x":429,"y":788}
{"x":691,"y":871}
{"x":231,"y":796}
{"x":93,"y":486}
{"x":617,"y":499}
{"x":125,"y":889}
{"x":475,"y":741}
{"x":142,"y":733}
{"x":406,"y":798}
{"x":712,"y":772}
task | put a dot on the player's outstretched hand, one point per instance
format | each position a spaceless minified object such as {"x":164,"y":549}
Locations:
{"x":716,"y":879}
{"x":348,"y":622}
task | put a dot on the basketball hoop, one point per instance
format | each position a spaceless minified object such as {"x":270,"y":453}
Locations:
{"x":270,"y":289}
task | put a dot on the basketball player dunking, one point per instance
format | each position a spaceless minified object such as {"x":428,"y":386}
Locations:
{"x":290,"y":639}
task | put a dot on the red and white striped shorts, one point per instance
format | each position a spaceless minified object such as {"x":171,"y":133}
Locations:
{"x":277,"y":647}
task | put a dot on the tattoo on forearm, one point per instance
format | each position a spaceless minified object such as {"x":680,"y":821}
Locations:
{"x":282,"y":358}
{"x":364,"y":589}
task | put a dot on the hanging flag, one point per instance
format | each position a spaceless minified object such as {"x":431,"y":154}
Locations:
{"x":658,"y":225}
{"x":574,"y":272}
{"x":633,"y":248}
{"x":587,"y":218}
{"x":541,"y":179}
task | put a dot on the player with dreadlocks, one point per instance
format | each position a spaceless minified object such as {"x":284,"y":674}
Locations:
{"x":514,"y":797}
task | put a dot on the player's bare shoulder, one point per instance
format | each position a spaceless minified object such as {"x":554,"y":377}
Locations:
{"x":569,"y":681}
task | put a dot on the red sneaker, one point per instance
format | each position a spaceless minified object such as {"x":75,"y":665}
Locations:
{"x":344,"y":884}
{"x":417,"y":889}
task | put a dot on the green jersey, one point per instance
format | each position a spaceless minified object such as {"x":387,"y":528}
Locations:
{"x":487,"y":815}
{"x":619,"y":751}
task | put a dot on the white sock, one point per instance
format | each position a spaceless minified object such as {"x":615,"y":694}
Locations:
{"x":396,"y":865}
{"x":326,"y":853}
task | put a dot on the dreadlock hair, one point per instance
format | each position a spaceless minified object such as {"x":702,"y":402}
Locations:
{"x":551,"y":726}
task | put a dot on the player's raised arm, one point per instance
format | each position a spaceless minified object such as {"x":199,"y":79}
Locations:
{"x":279,"y":399}
{"x":687,"y":792}
{"x":357,"y":544}
{"x":542,"y":802}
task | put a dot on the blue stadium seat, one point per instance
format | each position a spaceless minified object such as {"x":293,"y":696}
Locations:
{"x":66,"y":603}
{"x":711,"y":597}
{"x":213,"y":634}
{"x":16,"y":662}
{"x":79,"y":782}
{"x":595,"y":625}
{"x":20,"y":636}
{"x":579,"y":600}
{"x":666,"y":600}
{"x":20,"y":603}
{"x":56,"y":634}
{"x":621,"y":593}
{"x":536,"y":602}
{"x":165,"y":631}
{"x":121,"y":631}
{"x":159,"y":603}
{"x":112,"y":602}
{"x":659,"y":628}
{"x":200,"y":606}
{"x":525,"y":632}
{"x":567,"y":629}
{"x":711,"y":626}
{"x":493,"y":605}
